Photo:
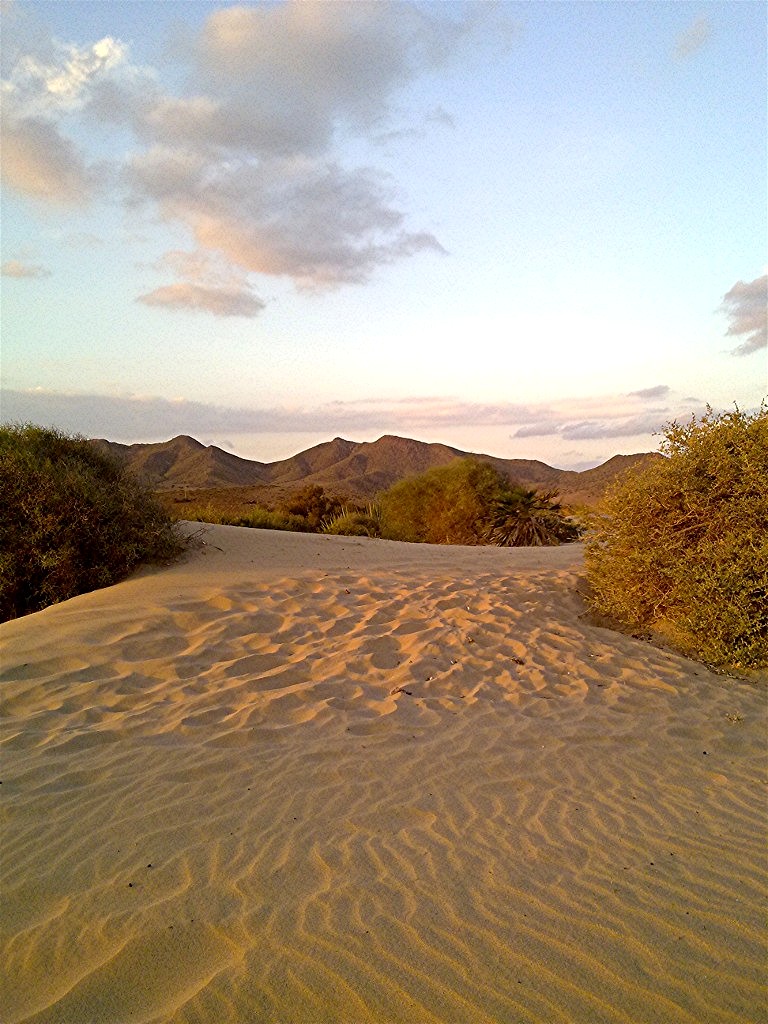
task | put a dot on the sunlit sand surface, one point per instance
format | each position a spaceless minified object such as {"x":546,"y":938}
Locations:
{"x":304,"y":779}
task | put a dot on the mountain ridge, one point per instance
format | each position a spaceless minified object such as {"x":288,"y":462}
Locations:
{"x":356,"y":469}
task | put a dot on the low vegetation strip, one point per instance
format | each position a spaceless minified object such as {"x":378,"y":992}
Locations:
{"x":465,"y":502}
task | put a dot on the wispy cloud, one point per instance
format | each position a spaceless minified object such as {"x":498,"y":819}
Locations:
{"x":746,"y":306}
{"x":209,"y":286}
{"x":659,"y":391}
{"x":693,"y":38}
{"x":632,"y":426}
{"x":438,"y":117}
{"x":218,"y":301}
{"x":539,"y":429}
{"x":17,"y":268}
{"x":636,"y":414}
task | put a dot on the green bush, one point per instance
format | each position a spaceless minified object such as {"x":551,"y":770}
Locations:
{"x":71,"y":520}
{"x":470,"y":502}
{"x":446,"y":505}
{"x":681,"y":547}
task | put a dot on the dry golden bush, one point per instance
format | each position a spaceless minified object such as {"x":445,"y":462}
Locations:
{"x":681,"y":547}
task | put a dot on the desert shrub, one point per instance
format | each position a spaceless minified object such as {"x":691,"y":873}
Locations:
{"x":681,"y":547}
{"x":312,"y":504}
{"x":471,"y":502}
{"x":355,"y":522}
{"x":527,"y":518}
{"x":446,"y":505}
{"x":71,"y":520}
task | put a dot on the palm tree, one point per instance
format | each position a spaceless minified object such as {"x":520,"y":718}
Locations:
{"x":523,"y":518}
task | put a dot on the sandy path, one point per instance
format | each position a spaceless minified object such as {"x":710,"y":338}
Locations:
{"x":300,"y":779}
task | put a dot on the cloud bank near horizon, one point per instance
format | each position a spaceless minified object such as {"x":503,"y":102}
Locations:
{"x":133,"y":418}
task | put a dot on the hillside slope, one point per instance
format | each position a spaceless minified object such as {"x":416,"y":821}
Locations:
{"x":354,"y":469}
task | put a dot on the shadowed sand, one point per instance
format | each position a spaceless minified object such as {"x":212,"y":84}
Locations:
{"x":303,"y":779}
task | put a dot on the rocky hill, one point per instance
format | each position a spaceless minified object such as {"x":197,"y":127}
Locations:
{"x":353,"y":469}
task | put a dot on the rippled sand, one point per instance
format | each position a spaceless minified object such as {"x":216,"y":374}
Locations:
{"x":308,"y":779}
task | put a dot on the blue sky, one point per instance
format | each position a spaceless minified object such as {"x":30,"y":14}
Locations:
{"x":534,"y":229}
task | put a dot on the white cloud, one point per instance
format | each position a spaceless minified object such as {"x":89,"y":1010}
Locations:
{"x":316,"y":223}
{"x":42,"y":90}
{"x":39,"y":87}
{"x":746,"y":306}
{"x":246,"y":157}
{"x":299,"y":70}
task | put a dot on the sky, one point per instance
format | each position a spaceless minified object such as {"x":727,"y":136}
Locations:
{"x":528,"y":229}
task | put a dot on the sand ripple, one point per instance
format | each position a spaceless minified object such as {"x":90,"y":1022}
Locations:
{"x":373,"y":794}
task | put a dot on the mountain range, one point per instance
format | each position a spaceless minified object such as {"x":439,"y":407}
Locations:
{"x":349,"y":468}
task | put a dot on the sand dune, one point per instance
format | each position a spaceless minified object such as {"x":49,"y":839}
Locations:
{"x":303,"y":779}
